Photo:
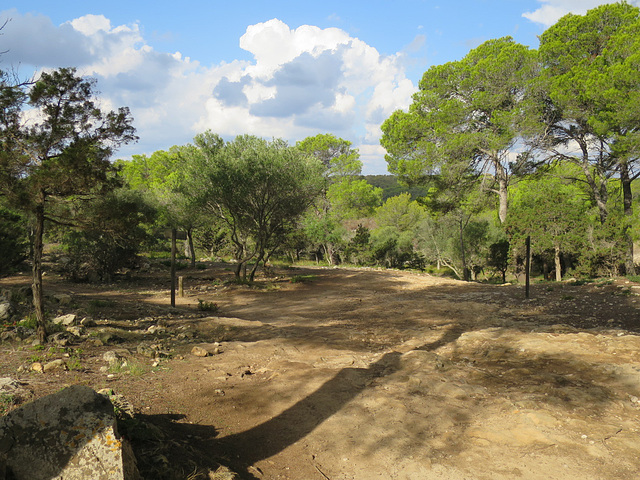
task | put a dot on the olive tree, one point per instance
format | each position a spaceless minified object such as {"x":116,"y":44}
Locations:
{"x":259,"y":188}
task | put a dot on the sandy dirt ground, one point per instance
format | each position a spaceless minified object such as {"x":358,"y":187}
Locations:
{"x":361,"y":374}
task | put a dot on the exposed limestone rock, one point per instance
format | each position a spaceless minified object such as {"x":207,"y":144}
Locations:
{"x":199,"y":352}
{"x":88,"y":322}
{"x":63,"y":339}
{"x":55,"y":365}
{"x":76,"y":330}
{"x":63,"y":299}
{"x":109,"y":338}
{"x":113,"y":357}
{"x":124,"y":408}
{"x":5,"y":310}
{"x":14,"y":388}
{"x":65,"y":320}
{"x":70,"y":435}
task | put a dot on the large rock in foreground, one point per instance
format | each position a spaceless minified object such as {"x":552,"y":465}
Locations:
{"x":70,"y":435}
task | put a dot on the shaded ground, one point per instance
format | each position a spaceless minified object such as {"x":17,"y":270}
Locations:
{"x":363,"y":374}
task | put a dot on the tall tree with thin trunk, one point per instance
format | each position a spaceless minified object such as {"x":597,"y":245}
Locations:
{"x":591,"y":82}
{"x":468,"y":113}
{"x":62,"y":151}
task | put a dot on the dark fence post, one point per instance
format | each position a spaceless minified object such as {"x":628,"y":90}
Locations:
{"x":527,"y":267}
{"x":173,"y":267}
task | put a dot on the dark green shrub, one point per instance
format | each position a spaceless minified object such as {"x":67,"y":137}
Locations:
{"x":115,"y":229}
{"x":14,"y":240}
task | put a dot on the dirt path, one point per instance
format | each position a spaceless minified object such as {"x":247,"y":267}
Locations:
{"x":362,"y":374}
{"x":365,"y":374}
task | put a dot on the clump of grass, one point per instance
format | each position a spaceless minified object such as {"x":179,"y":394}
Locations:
{"x":116,"y":367}
{"x":303,"y":278}
{"x":36,"y":358}
{"x":30,"y":322}
{"x":74,"y":362}
{"x":205,"y":306}
{"x":7,"y":401}
{"x":136,"y":369}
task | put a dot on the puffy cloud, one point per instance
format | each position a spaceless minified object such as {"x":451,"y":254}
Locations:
{"x":300,"y":82}
{"x":34,"y":40}
{"x":311,"y":80}
{"x":551,"y":10}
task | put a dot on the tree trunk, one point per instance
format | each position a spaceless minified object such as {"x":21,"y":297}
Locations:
{"x":627,"y":199}
{"x":598,"y":186}
{"x":252,"y":274}
{"x":503,"y":193}
{"x":192,"y":251}
{"x":465,"y":270}
{"x":328,"y":253}
{"x":38,"y":298}
{"x":558,"y":264}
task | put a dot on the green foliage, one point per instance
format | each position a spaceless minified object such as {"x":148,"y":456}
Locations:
{"x":400,"y":212}
{"x":391,"y":187}
{"x":358,"y":250}
{"x":464,"y":119}
{"x":591,"y":85}
{"x":393,"y":249}
{"x":69,"y":147}
{"x":336,"y":154}
{"x":7,"y":403}
{"x":553,"y":213}
{"x":205,"y":306}
{"x":14,"y":239}
{"x":29,"y":322}
{"x":213,"y":238}
{"x":603,"y":249}
{"x":353,"y":198}
{"x":116,"y":228}
{"x":499,"y":257}
{"x":259,"y":189}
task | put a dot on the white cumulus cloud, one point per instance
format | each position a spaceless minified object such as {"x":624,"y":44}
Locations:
{"x":552,"y":10}
{"x":299,"y":81}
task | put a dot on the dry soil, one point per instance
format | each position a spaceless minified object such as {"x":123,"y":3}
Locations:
{"x":359,"y":374}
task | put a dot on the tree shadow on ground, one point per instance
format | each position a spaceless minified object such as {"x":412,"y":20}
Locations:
{"x":168,"y":449}
{"x":298,"y":421}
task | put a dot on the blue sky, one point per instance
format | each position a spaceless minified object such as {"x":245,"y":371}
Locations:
{"x":285,"y":69}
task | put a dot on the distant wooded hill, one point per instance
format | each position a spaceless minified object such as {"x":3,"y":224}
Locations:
{"x":391,"y":188}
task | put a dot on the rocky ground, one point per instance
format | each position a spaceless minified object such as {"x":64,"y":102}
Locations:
{"x":316,"y":373}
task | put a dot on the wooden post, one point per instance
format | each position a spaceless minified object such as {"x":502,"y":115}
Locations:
{"x":527,"y":267}
{"x":180,"y":286}
{"x":173,"y":267}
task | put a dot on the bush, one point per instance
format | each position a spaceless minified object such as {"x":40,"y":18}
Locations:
{"x":117,"y":232}
{"x":14,"y":240}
